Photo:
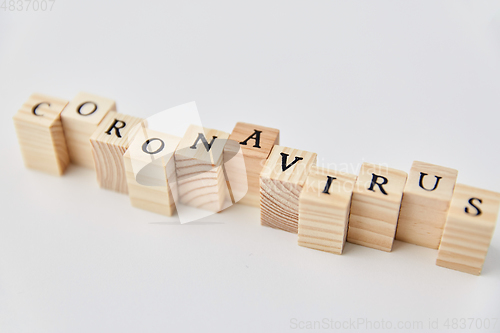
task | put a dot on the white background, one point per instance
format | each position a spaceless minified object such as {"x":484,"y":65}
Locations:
{"x":379,"y":81}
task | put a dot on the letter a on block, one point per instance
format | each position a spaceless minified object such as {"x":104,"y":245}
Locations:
{"x":109,"y":142}
{"x":41,"y":138}
{"x":256,"y":143}
{"x":469,"y":229}
{"x":150,"y":168}
{"x":376,"y":200}
{"x":324,"y":206}
{"x":425,"y":204}
{"x":281,"y":182}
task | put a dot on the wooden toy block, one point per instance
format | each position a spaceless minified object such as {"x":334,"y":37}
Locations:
{"x":426,"y":199}
{"x":150,"y":170}
{"x":80,"y":120}
{"x":324,"y":205}
{"x":108,"y":144}
{"x":256,"y":142}
{"x":376,"y":200}
{"x":469,"y":229}
{"x":199,"y":165}
{"x":40,"y":134}
{"x":281,"y":182}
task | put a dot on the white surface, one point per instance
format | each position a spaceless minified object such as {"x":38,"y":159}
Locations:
{"x":379,"y":81}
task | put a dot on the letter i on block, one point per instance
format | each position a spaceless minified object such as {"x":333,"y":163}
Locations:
{"x":425,"y":204}
{"x":324,"y":206}
{"x":109,"y":142}
{"x":469,"y":229}
{"x":281,"y":182}
{"x":199,"y":165}
{"x":150,"y":169}
{"x":256,"y":143}
{"x":40,"y":134}
{"x":375,"y":205}
{"x":80,"y":120}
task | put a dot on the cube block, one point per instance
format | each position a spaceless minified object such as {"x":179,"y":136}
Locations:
{"x":281,"y":182}
{"x":426,"y":200}
{"x":256,"y":143}
{"x":80,"y":120}
{"x":150,"y":171}
{"x":199,"y":166}
{"x":324,"y":206}
{"x":40,"y":134}
{"x":376,"y":201}
{"x":108,"y":144}
{"x":469,"y":229}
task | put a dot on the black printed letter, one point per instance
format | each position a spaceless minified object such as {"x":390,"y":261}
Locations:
{"x":478,"y":211}
{"x":201,"y":137}
{"x":374,"y":182}
{"x":284,"y":157}
{"x":255,"y":136}
{"x":116,"y":127}
{"x":421,"y":182}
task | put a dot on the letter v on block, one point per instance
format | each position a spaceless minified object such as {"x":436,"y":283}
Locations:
{"x":281,"y":182}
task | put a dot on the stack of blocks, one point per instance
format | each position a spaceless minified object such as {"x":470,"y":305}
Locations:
{"x":324,"y":207}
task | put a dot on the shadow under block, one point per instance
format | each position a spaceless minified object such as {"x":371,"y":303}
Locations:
{"x":256,"y":143}
{"x":375,"y":205}
{"x":40,"y":134}
{"x":469,"y":229}
{"x":150,"y":171}
{"x":199,"y":166}
{"x":80,"y":120}
{"x":108,"y":144}
{"x":426,"y":199}
{"x":324,"y":205}
{"x":281,"y":182}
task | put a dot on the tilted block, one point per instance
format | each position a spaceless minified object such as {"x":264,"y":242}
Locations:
{"x":324,"y":205}
{"x":375,"y":205}
{"x":199,"y":165}
{"x":109,"y":142}
{"x":150,"y":170}
{"x":256,"y":143}
{"x":426,"y":199}
{"x":80,"y":120}
{"x":469,"y":229}
{"x":281,"y":182}
{"x":40,"y":134}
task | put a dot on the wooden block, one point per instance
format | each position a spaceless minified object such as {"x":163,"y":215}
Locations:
{"x":199,"y":165}
{"x":324,"y":206}
{"x":281,"y":182}
{"x":108,"y":144}
{"x":376,"y":200}
{"x":80,"y":120}
{"x":469,"y":229}
{"x":40,"y":134}
{"x":150,"y":170}
{"x":256,"y":142}
{"x":426,"y":199}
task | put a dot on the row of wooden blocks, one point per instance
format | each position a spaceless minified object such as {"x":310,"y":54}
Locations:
{"x":325,"y":207}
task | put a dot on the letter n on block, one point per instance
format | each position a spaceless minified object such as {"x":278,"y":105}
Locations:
{"x":324,"y":206}
{"x":80,"y":120}
{"x":281,"y":182}
{"x":256,"y":143}
{"x":469,"y":229}
{"x":150,"y":169}
{"x":425,"y":204}
{"x":40,"y":134}
{"x":376,"y":201}
{"x":109,"y":142}
{"x":199,"y":165}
